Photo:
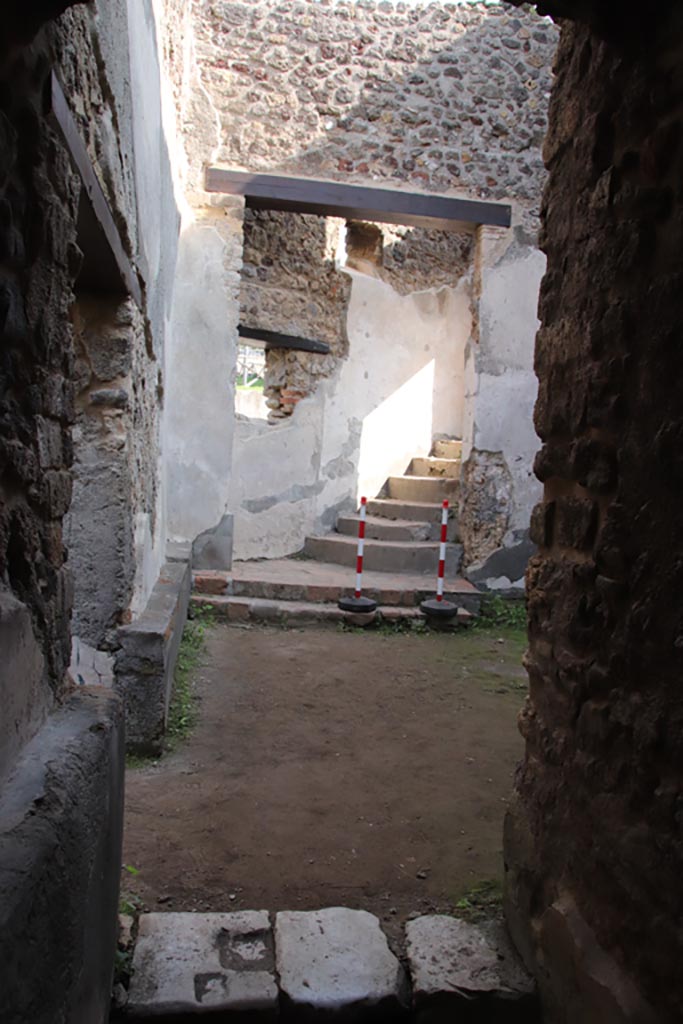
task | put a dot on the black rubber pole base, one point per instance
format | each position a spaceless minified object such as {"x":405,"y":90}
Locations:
{"x":434,"y":609}
{"x":357,"y":604}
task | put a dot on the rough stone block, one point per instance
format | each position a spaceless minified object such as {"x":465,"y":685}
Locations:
{"x":213,"y":548}
{"x":61,"y":823}
{"x":504,"y":568}
{"x":204,"y":963}
{"x":23,"y":698}
{"x":147,"y":655}
{"x":337,"y":963}
{"x":90,"y":667}
{"x":460,"y":971}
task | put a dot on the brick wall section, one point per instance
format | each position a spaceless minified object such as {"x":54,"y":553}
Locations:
{"x":290,"y":284}
{"x":38,"y":259}
{"x":596,"y":832}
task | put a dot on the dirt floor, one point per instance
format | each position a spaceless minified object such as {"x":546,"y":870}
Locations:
{"x":327,"y":768}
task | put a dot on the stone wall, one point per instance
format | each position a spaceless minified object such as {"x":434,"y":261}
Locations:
{"x":593,"y":844}
{"x":291,"y":284}
{"x":38,"y":257}
{"x":60,"y":750}
{"x":427,"y":97}
{"x":109,"y":65}
{"x":499,"y":443}
{"x":436,"y":96}
{"x":116,"y":442}
{"x":401,"y":382}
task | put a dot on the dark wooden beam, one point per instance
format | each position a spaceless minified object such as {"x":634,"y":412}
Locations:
{"x":274,"y":339}
{"x":356,"y":202}
{"x":106,"y":266}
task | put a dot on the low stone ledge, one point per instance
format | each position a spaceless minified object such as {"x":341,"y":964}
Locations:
{"x":146,"y":658}
{"x":61,"y":820}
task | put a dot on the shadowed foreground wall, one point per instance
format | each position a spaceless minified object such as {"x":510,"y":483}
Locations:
{"x":594,"y":846}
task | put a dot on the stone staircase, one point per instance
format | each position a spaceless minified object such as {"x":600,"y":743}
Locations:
{"x":400,"y":561}
{"x":403,"y":522}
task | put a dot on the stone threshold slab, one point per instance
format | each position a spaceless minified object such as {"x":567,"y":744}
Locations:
{"x":332,"y":966}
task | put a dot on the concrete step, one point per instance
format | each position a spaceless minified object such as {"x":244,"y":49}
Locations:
{"x":388,"y":511}
{"x":377,"y":528}
{"x":259,"y":609}
{"x":447,"y":449}
{"x":415,"y":511}
{"x":422,"y":488}
{"x":383,"y":555}
{"x":298,"y":579}
{"x":431,"y":466}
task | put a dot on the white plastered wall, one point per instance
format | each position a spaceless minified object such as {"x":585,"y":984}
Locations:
{"x":200,"y":403}
{"x":401,"y":384}
{"x":500,"y":383}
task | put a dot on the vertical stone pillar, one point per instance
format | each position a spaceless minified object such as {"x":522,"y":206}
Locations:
{"x":499,"y":442}
{"x":199,"y":420}
{"x":593,"y":843}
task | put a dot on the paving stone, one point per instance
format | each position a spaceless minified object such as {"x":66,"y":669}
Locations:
{"x":199,"y":963}
{"x":459,"y":969}
{"x":337,"y":963}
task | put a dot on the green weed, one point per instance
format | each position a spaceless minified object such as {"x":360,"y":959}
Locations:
{"x":482,"y":900}
{"x":499,"y":611}
{"x":184,"y":707}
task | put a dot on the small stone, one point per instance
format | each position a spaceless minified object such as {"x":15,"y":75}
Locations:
{"x":125,"y":940}
{"x":360,"y":618}
{"x":420,"y":874}
{"x":336,"y":960}
{"x":119,"y":996}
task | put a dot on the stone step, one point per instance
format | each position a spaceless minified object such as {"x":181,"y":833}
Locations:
{"x":447,"y":449}
{"x":422,"y":488}
{"x":297,"y":613}
{"x":377,"y":528}
{"x":415,"y":511}
{"x":384,"y":528}
{"x":431,"y":466}
{"x":297,"y":579}
{"x":383,"y":555}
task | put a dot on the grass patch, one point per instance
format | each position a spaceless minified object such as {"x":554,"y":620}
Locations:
{"x":498,"y":611}
{"x":483,"y":900}
{"x":184,"y":707}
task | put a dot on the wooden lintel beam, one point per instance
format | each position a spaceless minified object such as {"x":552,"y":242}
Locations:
{"x":274,"y":339}
{"x":356,"y":202}
{"x":98,"y":202}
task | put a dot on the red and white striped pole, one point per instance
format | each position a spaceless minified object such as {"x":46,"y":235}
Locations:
{"x":439,"y":609}
{"x":358,"y":603}
{"x":361,"y":545}
{"x":442,"y":550}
